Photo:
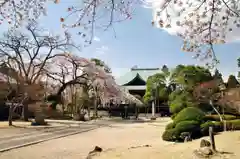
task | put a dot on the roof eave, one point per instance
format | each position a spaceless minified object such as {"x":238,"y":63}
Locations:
{"x":137,"y":76}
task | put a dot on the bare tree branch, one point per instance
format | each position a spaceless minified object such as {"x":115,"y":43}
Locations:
{"x":31,"y":52}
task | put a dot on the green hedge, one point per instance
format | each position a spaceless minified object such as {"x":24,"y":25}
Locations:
{"x":176,"y":106}
{"x":233,"y":124}
{"x":174,"y":134}
{"x":173,"y":116}
{"x":170,"y":135}
{"x":217,"y":118}
{"x":190,"y":114}
{"x":170,"y":126}
{"x":219,"y":126}
{"x":189,"y":126}
{"x":196,"y":131}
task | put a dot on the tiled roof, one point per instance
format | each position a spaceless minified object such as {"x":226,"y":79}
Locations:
{"x":144,"y":73}
{"x":135,"y":87}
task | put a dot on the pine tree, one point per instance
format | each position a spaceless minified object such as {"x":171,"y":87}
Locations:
{"x":218,"y":76}
{"x":232,"y":82}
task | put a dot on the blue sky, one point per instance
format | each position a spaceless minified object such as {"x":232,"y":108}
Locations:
{"x":137,"y":42}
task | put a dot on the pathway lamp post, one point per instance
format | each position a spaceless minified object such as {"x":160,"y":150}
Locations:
{"x":155,"y":90}
{"x":157,"y":95}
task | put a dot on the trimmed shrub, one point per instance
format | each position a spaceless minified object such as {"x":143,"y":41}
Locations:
{"x":170,"y":135}
{"x":193,"y":127}
{"x":229,"y":117}
{"x":174,"y":134}
{"x":233,"y":124}
{"x":170,"y":126}
{"x":217,"y":127}
{"x":176,"y":106}
{"x":181,"y":101}
{"x":190,"y":113}
{"x":173,"y":116}
{"x":216,"y":117}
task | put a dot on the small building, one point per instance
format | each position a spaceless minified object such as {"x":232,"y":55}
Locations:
{"x":135,"y":80}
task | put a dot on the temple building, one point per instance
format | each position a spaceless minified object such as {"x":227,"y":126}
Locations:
{"x":135,"y":80}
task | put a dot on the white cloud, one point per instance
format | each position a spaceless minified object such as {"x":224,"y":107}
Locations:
{"x":96,"y":39}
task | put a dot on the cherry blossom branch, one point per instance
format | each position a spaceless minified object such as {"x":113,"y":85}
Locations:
{"x":201,"y":24}
{"x":225,"y":3}
{"x":210,"y":29}
{"x":92,"y":15}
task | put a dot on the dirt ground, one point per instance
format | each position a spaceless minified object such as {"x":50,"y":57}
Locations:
{"x":227,"y":143}
{"x":124,"y":141}
{"x":4,"y":124}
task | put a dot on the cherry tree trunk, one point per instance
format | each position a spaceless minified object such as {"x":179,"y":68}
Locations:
{"x":10,"y":116}
{"x":25,"y":112}
{"x":95,"y":108}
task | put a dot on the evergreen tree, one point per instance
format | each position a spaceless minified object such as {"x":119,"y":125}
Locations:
{"x":218,"y":76}
{"x":232,"y":82}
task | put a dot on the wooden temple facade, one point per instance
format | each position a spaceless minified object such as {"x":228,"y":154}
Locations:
{"x":135,"y":80}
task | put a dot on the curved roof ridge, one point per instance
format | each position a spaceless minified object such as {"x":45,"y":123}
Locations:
{"x":136,"y":76}
{"x":143,"y":73}
{"x":142,"y":69}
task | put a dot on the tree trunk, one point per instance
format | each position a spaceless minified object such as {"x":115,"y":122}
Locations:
{"x":63,"y":106}
{"x":72,"y":100}
{"x":211,"y":103}
{"x":10,"y":116}
{"x":75,"y":97}
{"x":89,"y":111}
{"x":25,"y":112}
{"x":72,"y":110}
{"x":212,"y":139}
{"x":147,"y":110}
{"x":95,"y":108}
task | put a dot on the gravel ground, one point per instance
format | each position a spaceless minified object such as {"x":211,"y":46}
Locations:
{"x":123,"y":141}
{"x":18,"y":136}
{"x":26,"y":138}
{"x":78,"y":146}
